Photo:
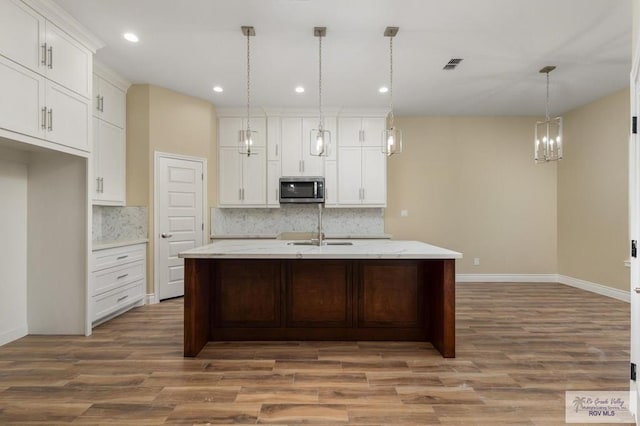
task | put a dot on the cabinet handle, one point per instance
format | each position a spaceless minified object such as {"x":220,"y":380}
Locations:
{"x":122,"y":257}
{"x":120,"y":299}
{"x":44,"y":54}
{"x":165,"y":235}
{"x":277,"y":198}
{"x":50,"y":114}
{"x":101,"y":103}
{"x":102,"y":184}
{"x":98,"y":102}
{"x":97,"y":185}
{"x":44,"y":118}
{"x":240,"y":135}
{"x":361,"y":135}
{"x":363,"y":196}
{"x":637,"y":289}
{"x":122,"y":276}
{"x":50,"y":50}
{"x":242,"y":194}
{"x":276,"y":150}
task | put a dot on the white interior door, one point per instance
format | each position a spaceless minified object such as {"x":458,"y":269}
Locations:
{"x":180,"y":224}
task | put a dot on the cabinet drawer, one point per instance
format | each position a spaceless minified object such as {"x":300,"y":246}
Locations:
{"x":112,"y":301}
{"x":108,"y":258}
{"x":111,"y":278}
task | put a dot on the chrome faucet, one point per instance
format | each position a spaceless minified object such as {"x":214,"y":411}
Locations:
{"x":320,"y":240}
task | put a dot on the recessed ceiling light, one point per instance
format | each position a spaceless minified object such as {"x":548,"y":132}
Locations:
{"x":383,"y":89}
{"x":218,"y":89}
{"x":299,"y":89}
{"x":131,"y":37}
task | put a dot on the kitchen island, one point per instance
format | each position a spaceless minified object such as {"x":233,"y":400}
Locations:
{"x":344,"y":290}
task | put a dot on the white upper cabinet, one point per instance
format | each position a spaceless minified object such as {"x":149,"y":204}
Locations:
{"x":361,"y":131}
{"x":22,"y":34}
{"x":108,"y":163}
{"x":67,"y":117}
{"x":296,"y":157}
{"x":109,"y":137}
{"x":68,"y":63}
{"x":230,"y":131}
{"x":242,"y":179}
{"x":109,"y":101}
{"x":45,"y":76}
{"x":22,"y":99}
{"x":362,"y":167}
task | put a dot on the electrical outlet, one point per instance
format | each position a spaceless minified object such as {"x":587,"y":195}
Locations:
{"x":476,"y":261}
{"x":404,"y":213}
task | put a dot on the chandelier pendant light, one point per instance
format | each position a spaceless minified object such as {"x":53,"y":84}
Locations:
{"x":320,"y":138}
{"x":245,"y":143}
{"x":391,"y":135}
{"x":548,"y":133}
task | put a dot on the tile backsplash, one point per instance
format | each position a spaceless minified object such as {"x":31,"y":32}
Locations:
{"x":297,"y":218}
{"x":119,"y":223}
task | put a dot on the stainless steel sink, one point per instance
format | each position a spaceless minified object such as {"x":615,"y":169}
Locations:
{"x":327,"y":243}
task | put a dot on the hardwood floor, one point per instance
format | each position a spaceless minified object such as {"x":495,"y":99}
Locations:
{"x":519,"y":347}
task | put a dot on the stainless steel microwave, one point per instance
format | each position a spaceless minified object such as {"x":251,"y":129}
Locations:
{"x":302,"y":189}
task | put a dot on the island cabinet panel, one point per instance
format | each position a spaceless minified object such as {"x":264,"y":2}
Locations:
{"x":247,"y":295}
{"x":390,"y":294}
{"x":319,"y":294}
{"x":320,"y":299}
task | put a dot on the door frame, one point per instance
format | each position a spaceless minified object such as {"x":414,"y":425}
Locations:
{"x":634,"y":228}
{"x":156,"y":211}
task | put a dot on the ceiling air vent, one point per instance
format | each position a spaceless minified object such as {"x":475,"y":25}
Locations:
{"x":452,"y":64}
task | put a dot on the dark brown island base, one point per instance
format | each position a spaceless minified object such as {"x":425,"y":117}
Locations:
{"x":272,"y":290}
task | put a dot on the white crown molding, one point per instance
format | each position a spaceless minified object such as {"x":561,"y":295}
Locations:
{"x":111,"y":76}
{"x":604,"y":290}
{"x":60,"y":17}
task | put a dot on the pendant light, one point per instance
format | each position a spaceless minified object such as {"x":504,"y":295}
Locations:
{"x":245,"y":144}
{"x":391,"y":135}
{"x":320,"y":138}
{"x":548,"y":134}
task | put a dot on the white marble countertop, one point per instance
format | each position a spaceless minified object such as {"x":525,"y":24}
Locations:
{"x":283,"y":249}
{"x":105,"y":244}
{"x":304,"y":235}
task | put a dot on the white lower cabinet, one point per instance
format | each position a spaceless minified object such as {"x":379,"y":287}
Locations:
{"x":118,"y":281}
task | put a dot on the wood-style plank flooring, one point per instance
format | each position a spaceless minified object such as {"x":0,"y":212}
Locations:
{"x":519,"y":347}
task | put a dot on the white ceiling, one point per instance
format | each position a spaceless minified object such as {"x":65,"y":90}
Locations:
{"x":191,"y":45}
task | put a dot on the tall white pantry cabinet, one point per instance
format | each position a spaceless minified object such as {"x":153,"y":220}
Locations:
{"x":46,"y":63}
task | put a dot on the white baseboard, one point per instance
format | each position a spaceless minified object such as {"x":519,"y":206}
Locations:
{"x":595,"y":288}
{"x":151,"y":299}
{"x":546,"y":278}
{"x":506,"y":278}
{"x":11,"y":335}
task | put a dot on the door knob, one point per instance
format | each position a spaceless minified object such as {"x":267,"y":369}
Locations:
{"x":637,"y":289}
{"x":164,"y":235}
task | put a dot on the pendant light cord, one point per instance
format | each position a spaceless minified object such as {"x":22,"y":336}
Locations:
{"x":547,"y":107}
{"x":248,"y":84}
{"x":321,"y":124}
{"x":391,"y":80}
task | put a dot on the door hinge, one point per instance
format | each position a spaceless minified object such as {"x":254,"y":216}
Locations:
{"x":633,"y":371}
{"x":634,"y":124}
{"x":634,"y":248}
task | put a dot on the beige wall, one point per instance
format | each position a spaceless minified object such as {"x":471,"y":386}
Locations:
{"x":162,"y":120}
{"x":593,"y":192}
{"x":470,"y":184}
